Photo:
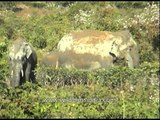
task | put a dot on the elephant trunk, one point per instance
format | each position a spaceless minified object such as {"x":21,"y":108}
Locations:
{"x":16,"y":75}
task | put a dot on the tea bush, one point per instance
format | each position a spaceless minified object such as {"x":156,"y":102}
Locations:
{"x":133,"y":95}
{"x":135,"y":4}
{"x":113,"y":77}
{"x":7,"y":5}
{"x":118,"y":92}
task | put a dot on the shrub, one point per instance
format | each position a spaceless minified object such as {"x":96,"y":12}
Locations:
{"x":118,"y":92}
{"x":136,"y":97}
{"x":7,"y":5}
{"x":131,"y":4}
{"x":113,"y":78}
{"x":3,"y":59}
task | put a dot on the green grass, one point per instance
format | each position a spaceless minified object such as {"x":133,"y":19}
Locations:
{"x":119,"y":92}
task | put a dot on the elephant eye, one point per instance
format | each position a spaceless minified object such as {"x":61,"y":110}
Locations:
{"x":115,"y":44}
{"x":24,"y":58}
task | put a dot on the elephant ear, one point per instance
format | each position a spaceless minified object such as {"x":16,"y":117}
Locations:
{"x":28,"y":50}
{"x":11,"y":52}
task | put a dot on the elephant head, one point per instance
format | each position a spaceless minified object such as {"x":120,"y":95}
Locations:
{"x":23,"y":60}
{"x":123,"y":46}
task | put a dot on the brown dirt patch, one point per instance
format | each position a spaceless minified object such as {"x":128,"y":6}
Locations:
{"x":27,"y":11}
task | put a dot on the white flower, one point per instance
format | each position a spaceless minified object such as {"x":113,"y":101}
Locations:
{"x":121,"y":91}
{"x":151,"y":97}
{"x":132,"y":88}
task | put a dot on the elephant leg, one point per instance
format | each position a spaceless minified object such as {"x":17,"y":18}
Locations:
{"x":135,"y":56}
{"x":129,"y":61}
{"x":32,"y":75}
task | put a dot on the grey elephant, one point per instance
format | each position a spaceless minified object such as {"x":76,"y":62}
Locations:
{"x":70,"y":59}
{"x":119,"y":44}
{"x":23,"y":61}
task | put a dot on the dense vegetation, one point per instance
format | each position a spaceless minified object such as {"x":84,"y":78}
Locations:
{"x":119,"y":92}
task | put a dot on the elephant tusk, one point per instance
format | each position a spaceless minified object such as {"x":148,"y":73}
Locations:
{"x":12,"y":73}
{"x":22,"y":72}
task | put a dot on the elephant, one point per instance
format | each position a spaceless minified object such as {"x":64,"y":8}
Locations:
{"x":123,"y":46}
{"x":119,"y":44}
{"x":23,"y":62}
{"x":69,"y":59}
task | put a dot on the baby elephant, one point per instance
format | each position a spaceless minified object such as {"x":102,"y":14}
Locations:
{"x":69,"y":59}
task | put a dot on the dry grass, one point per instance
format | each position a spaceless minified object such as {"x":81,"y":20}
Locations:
{"x":28,"y":12}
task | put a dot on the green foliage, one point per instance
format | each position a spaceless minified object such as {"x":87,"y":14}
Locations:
{"x":107,"y":19}
{"x":118,"y":92}
{"x":135,"y":4}
{"x":7,"y":5}
{"x":133,"y":95}
{"x":64,"y":3}
{"x":36,"y":4}
{"x":58,"y":77}
{"x":112,"y":78}
{"x":3,"y":59}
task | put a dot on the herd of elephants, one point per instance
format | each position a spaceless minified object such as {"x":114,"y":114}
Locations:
{"x":85,"y":50}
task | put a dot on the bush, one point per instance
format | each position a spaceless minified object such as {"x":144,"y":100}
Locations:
{"x":7,"y":5}
{"x":3,"y":59}
{"x":131,"y":4}
{"x":134,"y":93}
{"x":118,"y":92}
{"x":112,"y":78}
